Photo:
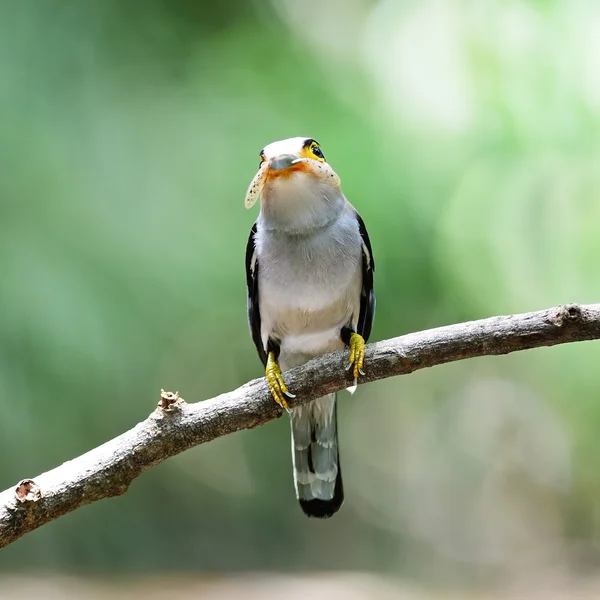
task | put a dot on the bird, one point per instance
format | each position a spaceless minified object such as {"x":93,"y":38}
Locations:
{"x":309,"y":276}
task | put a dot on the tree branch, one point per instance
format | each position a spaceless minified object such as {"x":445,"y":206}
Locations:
{"x":176,"y":426}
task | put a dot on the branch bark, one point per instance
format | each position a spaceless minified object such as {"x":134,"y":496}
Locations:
{"x":176,"y":426}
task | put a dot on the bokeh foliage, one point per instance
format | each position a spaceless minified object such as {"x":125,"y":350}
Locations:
{"x":466,"y":133}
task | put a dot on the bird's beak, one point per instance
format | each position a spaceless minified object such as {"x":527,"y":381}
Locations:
{"x":284,"y":166}
{"x":284,"y":161}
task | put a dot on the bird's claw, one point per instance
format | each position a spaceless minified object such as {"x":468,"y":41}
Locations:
{"x":357,"y":355}
{"x":276,"y":384}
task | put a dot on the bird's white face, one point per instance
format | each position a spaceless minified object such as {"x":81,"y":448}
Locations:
{"x":290,"y":169}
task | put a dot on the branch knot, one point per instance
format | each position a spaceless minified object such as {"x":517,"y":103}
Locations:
{"x":27,"y":490}
{"x":568,"y":313}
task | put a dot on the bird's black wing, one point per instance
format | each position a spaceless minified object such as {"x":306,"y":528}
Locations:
{"x":252,"y":289}
{"x":367,"y":297}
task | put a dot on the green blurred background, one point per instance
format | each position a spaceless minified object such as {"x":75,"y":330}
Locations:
{"x":465,"y":132}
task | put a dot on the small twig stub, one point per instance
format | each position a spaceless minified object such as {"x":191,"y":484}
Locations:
{"x":168,"y":398}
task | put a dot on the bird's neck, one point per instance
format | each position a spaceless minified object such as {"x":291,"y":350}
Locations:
{"x":298,"y":211}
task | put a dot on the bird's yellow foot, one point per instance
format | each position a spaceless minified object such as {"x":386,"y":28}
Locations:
{"x":357,"y":354}
{"x":276,"y":384}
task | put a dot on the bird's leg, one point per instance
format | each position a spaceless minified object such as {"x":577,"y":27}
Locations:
{"x":357,"y":354}
{"x":356,"y":343}
{"x":276,"y":384}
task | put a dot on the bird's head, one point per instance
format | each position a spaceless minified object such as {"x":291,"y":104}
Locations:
{"x":295,"y":184}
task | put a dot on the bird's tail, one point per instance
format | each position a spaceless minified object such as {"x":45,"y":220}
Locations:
{"x":317,"y":472}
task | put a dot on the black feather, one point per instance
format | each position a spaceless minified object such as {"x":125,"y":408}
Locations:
{"x":367,"y":297}
{"x":323,"y":509}
{"x":252,"y":267}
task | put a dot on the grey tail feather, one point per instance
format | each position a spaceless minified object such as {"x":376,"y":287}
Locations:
{"x":315,"y":452}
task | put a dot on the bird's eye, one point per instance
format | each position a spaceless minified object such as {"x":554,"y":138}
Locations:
{"x":316,"y":150}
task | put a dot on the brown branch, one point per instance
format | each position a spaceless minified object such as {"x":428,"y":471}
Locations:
{"x":176,"y":426}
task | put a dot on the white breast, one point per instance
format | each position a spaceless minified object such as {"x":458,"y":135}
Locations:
{"x":309,"y":286}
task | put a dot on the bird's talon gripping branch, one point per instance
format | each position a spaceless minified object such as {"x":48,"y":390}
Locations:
{"x":276,"y":384}
{"x":357,"y":354}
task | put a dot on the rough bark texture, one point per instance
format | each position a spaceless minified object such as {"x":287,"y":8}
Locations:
{"x":176,"y":426}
